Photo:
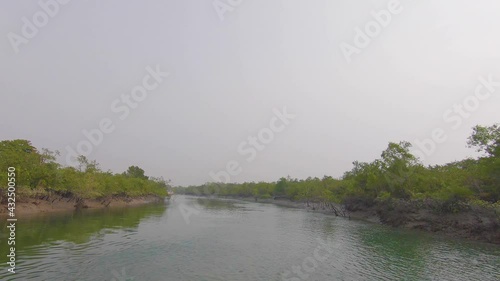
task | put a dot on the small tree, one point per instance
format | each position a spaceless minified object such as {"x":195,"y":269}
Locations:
{"x":135,"y":172}
{"x":486,"y":139}
{"x":280,"y":187}
{"x":87,"y":166}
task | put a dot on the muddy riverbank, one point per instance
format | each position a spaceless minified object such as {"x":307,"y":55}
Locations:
{"x":61,"y":203}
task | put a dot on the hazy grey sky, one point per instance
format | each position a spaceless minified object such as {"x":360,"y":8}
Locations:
{"x":227,"y":76}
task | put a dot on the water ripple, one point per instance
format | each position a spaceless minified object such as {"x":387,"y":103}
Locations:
{"x":232,"y":240}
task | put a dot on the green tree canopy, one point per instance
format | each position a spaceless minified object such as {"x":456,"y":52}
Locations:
{"x":135,"y":172}
{"x":486,"y":139}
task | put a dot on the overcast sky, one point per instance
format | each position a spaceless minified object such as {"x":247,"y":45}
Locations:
{"x":227,"y":76}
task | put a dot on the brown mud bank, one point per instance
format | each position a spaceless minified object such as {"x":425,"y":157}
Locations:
{"x":68,"y":202}
{"x":455,"y":220}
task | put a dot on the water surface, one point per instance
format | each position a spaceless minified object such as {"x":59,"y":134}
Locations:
{"x":211,"y":239}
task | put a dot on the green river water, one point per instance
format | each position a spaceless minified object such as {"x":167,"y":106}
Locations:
{"x":197,"y":239}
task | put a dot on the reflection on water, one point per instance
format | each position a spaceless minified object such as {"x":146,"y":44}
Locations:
{"x":214,"y":204}
{"x":78,"y":227}
{"x":235,"y":240}
{"x":72,"y":231}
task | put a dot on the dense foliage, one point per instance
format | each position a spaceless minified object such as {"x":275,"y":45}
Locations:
{"x":397,"y":174}
{"x":39,"y":172}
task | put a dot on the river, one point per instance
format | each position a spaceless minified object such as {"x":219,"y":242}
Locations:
{"x":197,"y":239}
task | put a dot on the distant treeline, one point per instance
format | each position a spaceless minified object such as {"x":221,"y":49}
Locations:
{"x":37,"y":172}
{"x":396,"y":175}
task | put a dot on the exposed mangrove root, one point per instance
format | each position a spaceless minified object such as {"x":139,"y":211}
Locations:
{"x":338,"y":211}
